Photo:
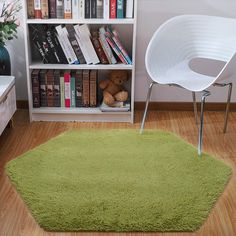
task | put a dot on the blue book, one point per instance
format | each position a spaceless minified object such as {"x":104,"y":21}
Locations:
{"x":72,"y":93}
{"x":120,"y":9}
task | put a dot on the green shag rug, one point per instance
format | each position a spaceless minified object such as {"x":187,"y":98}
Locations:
{"x":118,"y":180}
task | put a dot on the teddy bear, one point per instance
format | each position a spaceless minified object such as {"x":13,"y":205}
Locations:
{"x":113,"y":89}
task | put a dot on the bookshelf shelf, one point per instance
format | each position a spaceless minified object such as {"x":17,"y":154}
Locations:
{"x":127,"y":31}
{"x":80,"y":66}
{"x":84,"y":21}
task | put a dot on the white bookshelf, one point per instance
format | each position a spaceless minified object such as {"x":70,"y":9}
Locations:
{"x":82,"y":114}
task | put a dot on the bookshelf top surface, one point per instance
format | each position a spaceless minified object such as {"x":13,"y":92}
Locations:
{"x":82,"y":21}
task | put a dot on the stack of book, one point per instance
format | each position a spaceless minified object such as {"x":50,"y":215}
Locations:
{"x":80,"y":9}
{"x":75,"y":44}
{"x":55,"y":88}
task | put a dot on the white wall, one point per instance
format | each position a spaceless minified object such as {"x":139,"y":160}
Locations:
{"x":151,"y":14}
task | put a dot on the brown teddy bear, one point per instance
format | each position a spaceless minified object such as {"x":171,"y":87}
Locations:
{"x":113,"y":89}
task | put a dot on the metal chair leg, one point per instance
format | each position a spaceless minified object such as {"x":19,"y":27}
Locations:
{"x":146,"y":107}
{"x":227,"y":106}
{"x":195,"y":107}
{"x":205,"y":94}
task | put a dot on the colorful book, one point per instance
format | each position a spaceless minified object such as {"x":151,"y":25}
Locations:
{"x":93,"y":88}
{"x":35,"y":88}
{"x":67,"y":9}
{"x":113,"y":4}
{"x":72,"y":91}
{"x":120,"y":9}
{"x":67,"y":78}
{"x":30,"y":9}
{"x":52,"y":8}
{"x":79,"y":88}
{"x":37,"y":9}
{"x":56,"y":89}
{"x":86,"y":97}
{"x":43,"y":91}
{"x":44,"y":9}
{"x":62,"y":89}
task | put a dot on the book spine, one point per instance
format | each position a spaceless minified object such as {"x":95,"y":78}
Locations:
{"x":106,"y":9}
{"x":74,"y":43}
{"x":129,"y":9}
{"x":49,"y":88}
{"x":67,"y":9}
{"x":56,"y":89}
{"x":93,"y":8}
{"x":30,"y":9}
{"x":44,"y":9}
{"x":99,"y":50}
{"x":67,"y":89}
{"x":37,"y":9}
{"x":81,"y":9}
{"x":62,"y":88}
{"x":99,"y":9}
{"x":93,"y":89}
{"x":79,"y":88}
{"x":113,"y":9}
{"x":60,"y":9}
{"x":120,"y":9}
{"x":53,"y":8}
{"x":86,"y":88}
{"x":35,"y":88}
{"x":120,"y":46}
{"x":106,"y":46}
{"x":72,"y":91}
{"x":43,"y":92}
{"x":75,"y":9}
{"x":87,"y":9}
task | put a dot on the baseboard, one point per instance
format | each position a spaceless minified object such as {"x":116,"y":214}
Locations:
{"x":161,"y":106}
{"x":182,"y":106}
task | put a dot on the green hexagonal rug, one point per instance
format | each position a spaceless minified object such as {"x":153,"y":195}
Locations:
{"x":118,"y":180}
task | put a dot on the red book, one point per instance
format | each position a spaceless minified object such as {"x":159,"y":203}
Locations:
{"x":67,"y":88}
{"x":113,"y":9}
{"x":37,"y":9}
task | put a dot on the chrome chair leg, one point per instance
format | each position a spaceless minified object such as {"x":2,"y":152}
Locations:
{"x":205,"y":94}
{"x":230,"y":85}
{"x":227,"y":106}
{"x":146,"y":107}
{"x":195,"y":107}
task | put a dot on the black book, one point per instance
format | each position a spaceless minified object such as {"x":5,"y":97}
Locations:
{"x":79,"y":88}
{"x":43,"y":91}
{"x":56,"y":89}
{"x":87,"y":9}
{"x":93,"y":8}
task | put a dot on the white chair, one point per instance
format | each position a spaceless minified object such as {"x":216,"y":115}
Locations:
{"x":184,"y":38}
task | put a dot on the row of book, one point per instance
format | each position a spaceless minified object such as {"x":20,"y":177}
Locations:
{"x":74,"y":44}
{"x":80,"y":9}
{"x":55,"y":88}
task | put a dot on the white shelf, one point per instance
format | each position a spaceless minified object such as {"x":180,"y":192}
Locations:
{"x":80,"y":66}
{"x":84,"y":21}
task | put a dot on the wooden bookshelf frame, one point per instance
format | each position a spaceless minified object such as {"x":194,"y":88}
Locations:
{"x":79,"y":114}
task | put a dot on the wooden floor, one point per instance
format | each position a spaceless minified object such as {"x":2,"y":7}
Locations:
{"x":15,"y":219}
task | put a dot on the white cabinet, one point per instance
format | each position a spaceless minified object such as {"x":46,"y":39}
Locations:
{"x":127,"y":29}
{"x":7,"y":100}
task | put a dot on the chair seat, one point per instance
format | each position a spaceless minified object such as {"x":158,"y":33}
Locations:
{"x":182,"y":75}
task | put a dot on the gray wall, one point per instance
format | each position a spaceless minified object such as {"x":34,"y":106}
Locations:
{"x":151,"y":14}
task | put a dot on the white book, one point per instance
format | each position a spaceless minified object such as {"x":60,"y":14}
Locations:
{"x":67,"y":9}
{"x":75,"y":9}
{"x":82,"y":45}
{"x":129,"y":8}
{"x":85,"y":36}
{"x":66,"y":46}
{"x":106,"y":46}
{"x":81,"y":9}
{"x":106,"y":9}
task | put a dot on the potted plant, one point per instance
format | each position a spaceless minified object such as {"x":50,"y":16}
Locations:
{"x":8,"y":31}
